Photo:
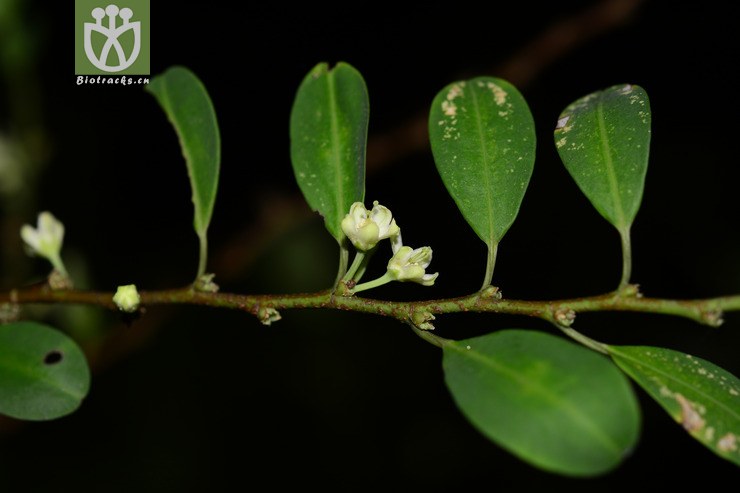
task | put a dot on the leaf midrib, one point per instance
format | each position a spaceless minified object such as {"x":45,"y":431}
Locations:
{"x":484,"y":158}
{"x":680,"y":382}
{"x":336,"y":151}
{"x":40,"y":377}
{"x":574,"y":412}
{"x":609,"y":164}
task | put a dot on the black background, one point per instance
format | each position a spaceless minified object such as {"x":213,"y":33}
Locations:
{"x":192,"y":399}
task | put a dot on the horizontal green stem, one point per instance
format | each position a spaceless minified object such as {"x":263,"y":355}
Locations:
{"x":706,"y":311}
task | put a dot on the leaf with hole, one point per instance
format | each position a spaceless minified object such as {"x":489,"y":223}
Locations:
{"x":43,"y":373}
{"x":550,"y":402}
{"x":188,"y":107}
{"x":483,"y":141}
{"x":702,"y":397}
{"x":328,"y":136}
{"x":604,"y":141}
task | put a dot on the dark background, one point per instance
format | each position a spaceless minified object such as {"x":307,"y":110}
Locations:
{"x":193,"y":399}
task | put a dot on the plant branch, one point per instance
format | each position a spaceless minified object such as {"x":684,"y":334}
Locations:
{"x":705,"y":311}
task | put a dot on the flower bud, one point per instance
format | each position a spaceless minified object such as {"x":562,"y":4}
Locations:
{"x":268,"y":315}
{"x":410,"y":265}
{"x":127,"y":298}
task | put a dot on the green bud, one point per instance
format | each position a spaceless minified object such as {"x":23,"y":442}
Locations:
{"x":268,"y":315}
{"x":127,"y":298}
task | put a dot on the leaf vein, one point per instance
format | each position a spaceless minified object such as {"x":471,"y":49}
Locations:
{"x":575,"y":413}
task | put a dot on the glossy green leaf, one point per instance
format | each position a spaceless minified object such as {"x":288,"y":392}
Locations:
{"x":328,"y":136}
{"x":552,"y":403}
{"x":43,"y":373}
{"x":702,"y":397}
{"x":604,"y":142}
{"x":188,"y":107}
{"x":483,"y":141}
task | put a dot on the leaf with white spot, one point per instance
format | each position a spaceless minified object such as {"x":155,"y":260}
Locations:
{"x":328,"y":136}
{"x":702,"y":397}
{"x":483,"y":141}
{"x":604,"y":141}
{"x":556,"y":405}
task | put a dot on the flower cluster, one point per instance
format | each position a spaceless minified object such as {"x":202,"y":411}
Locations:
{"x":365,"y":229}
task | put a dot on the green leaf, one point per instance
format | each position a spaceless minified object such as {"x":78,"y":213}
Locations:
{"x":188,"y":107}
{"x":699,"y":395}
{"x":43,"y":373}
{"x":483,"y":141}
{"x":328,"y":136}
{"x":604,"y":142}
{"x":552,"y":403}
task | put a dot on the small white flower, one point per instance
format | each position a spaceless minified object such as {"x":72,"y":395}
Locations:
{"x":366,"y":228}
{"x":396,"y":242}
{"x":46,"y":239}
{"x":410,"y":265}
{"x":127,"y":298}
